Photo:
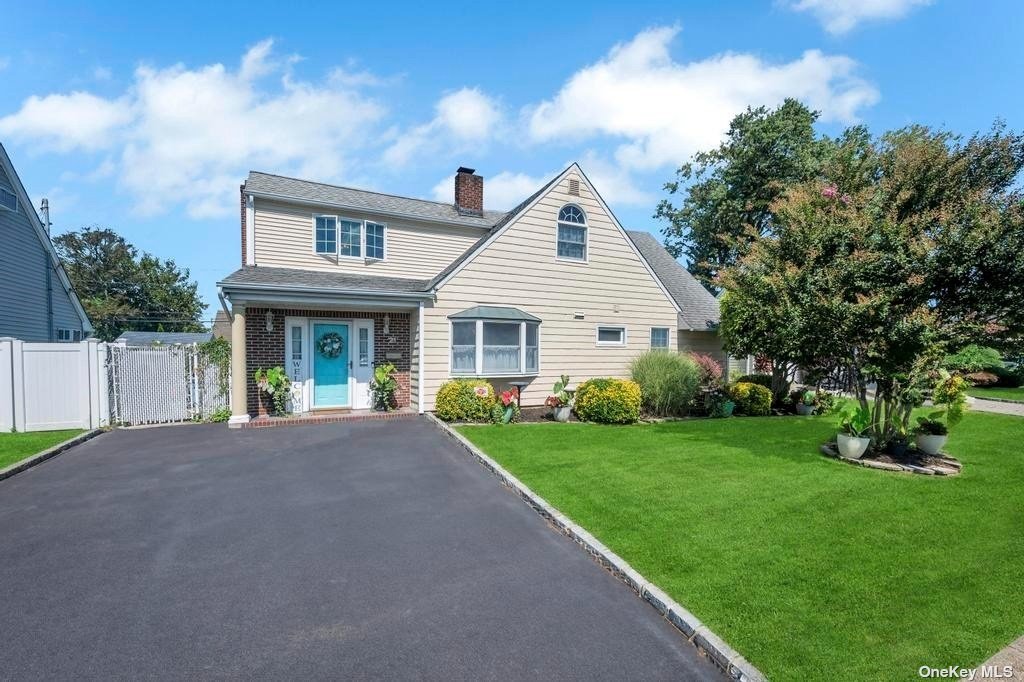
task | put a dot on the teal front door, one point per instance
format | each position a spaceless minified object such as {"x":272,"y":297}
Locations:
{"x":330,"y":365}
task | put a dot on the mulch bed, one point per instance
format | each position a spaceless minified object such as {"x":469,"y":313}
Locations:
{"x":539,"y":414}
{"x":915,"y":462}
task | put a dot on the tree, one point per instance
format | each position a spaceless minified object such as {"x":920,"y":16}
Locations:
{"x":886,"y":262}
{"x":122,"y":290}
{"x":729,"y":203}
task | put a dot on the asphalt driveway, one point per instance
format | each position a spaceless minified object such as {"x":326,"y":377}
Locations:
{"x":367,"y":550}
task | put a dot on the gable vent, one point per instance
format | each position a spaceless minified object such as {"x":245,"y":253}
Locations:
{"x":574,"y":187}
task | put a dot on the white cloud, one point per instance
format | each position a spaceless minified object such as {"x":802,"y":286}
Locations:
{"x":665,"y":110}
{"x":501,"y":192}
{"x":464,"y":118}
{"x":182,"y":135}
{"x":102,"y":73}
{"x":64,"y":123}
{"x":841,"y":16}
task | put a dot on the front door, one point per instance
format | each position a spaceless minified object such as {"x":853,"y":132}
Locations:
{"x":330,"y":365}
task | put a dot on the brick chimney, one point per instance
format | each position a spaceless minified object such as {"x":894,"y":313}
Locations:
{"x":469,"y":192}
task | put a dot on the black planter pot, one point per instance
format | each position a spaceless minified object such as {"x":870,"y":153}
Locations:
{"x":897,"y":449}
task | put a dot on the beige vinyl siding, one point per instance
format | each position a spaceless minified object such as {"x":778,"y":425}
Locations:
{"x":520,"y":269}
{"x":702,"y":342}
{"x":283,"y":235}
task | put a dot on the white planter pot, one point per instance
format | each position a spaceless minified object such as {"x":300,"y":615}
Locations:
{"x":561,"y":413}
{"x":804,"y":410}
{"x":852,"y":447}
{"x":930,"y":445}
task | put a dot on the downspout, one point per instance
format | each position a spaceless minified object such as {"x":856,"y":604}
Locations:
{"x":44,"y":208}
{"x":419,"y":371}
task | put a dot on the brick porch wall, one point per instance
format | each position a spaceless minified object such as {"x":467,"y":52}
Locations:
{"x":266,"y":349}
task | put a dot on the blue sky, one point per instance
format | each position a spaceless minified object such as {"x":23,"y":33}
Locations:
{"x":145,"y":117}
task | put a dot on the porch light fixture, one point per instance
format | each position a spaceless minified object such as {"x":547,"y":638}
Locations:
{"x":269,"y":317}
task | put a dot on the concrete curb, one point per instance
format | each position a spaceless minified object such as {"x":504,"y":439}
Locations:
{"x":713,"y":646}
{"x":41,"y":457}
{"x":999,"y":400}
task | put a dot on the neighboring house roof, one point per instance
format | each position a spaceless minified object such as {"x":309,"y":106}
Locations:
{"x":251,"y":276}
{"x":494,"y":312}
{"x":44,"y":238}
{"x":221,"y":325}
{"x":280,"y":187}
{"x":163,"y":338}
{"x":698,"y":307}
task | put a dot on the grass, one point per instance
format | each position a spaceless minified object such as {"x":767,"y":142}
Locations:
{"x":1004,"y":393}
{"x":811,"y":568}
{"x":15,"y":447}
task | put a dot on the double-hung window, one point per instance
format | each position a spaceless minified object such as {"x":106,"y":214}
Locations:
{"x":659,"y":338}
{"x":572,"y":234}
{"x":348,"y":238}
{"x":492,"y":341}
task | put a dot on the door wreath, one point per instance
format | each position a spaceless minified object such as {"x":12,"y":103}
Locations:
{"x":330,"y":345}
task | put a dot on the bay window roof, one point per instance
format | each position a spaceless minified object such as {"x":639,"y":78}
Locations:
{"x":493,"y":312}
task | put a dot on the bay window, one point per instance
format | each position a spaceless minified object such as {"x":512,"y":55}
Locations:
{"x":495,"y":341}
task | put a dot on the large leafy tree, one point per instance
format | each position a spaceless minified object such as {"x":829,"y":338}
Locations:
{"x":728,"y":192}
{"x":123,"y":289}
{"x":904,"y":248}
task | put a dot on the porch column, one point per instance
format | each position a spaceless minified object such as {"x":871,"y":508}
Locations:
{"x":239,"y":369}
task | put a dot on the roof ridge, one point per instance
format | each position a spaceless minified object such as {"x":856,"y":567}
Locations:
{"x":359,"y":189}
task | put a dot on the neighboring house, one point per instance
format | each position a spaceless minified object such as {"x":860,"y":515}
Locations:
{"x":37,"y":302}
{"x":222,"y":325}
{"x":554,"y":286}
{"x":162,"y":338}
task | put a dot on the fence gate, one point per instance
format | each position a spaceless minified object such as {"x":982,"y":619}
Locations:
{"x":157,"y":385}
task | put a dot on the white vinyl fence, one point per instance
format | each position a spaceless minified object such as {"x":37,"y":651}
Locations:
{"x":49,"y":386}
{"x":87,"y":385}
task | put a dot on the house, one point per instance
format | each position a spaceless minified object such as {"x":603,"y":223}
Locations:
{"x":162,"y":338}
{"x":37,"y":301}
{"x":554,"y":286}
{"x":222,"y":325}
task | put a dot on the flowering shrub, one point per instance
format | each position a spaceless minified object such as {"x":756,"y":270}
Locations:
{"x":506,"y":409}
{"x":710,"y":369}
{"x":469,"y":400}
{"x":751,"y":399}
{"x":608,"y":401}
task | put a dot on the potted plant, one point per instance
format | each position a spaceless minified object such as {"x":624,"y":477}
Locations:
{"x":718,"y":403}
{"x":931,"y":433}
{"x":507,"y":401}
{"x":851,"y":440}
{"x":806,"y":404}
{"x":898,"y":444}
{"x":560,"y":401}
{"x":383,"y":386}
{"x":275,"y":384}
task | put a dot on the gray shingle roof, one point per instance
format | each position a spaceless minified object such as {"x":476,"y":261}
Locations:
{"x":163,"y":338}
{"x":699,"y":307}
{"x":292,"y":188}
{"x":262,"y":276}
{"x":493,"y":312}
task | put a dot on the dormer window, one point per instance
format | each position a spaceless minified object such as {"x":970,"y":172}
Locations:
{"x":572,"y":234}
{"x":326,"y":237}
{"x":348,"y":238}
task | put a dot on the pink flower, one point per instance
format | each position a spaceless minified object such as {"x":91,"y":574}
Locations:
{"x":481,"y":391}
{"x":829,"y":191}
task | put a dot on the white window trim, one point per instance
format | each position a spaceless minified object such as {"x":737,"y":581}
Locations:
{"x":338,"y":218}
{"x":597,"y":335}
{"x":668,"y":337}
{"x":7,"y":191}
{"x":64,"y":335}
{"x":586,"y":242}
{"x":479,"y":341}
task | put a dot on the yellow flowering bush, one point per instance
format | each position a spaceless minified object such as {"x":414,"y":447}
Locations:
{"x":751,"y":399}
{"x":465,"y":400}
{"x":608,"y":401}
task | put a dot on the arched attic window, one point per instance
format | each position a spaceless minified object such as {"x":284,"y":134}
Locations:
{"x":572,"y":234}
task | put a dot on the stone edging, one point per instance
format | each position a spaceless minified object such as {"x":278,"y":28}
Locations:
{"x":41,"y":457}
{"x":1011,"y":401}
{"x":952,"y":467}
{"x":724,"y":656}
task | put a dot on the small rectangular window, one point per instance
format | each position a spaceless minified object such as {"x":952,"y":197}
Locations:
{"x":351,"y":236}
{"x":659,"y":337}
{"x":296,"y":344}
{"x":326,"y":234}
{"x":8,"y":199}
{"x":464,"y":347}
{"x":611,"y":336}
{"x":572,"y":242}
{"x":374,"y":241}
{"x":532,"y":348}
{"x":364,"y":347}
{"x":76,"y":335}
{"x":63,"y":334}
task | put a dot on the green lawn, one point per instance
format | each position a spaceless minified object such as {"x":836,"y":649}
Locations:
{"x":15,"y":447}
{"x":811,"y":568}
{"x":1004,"y":393}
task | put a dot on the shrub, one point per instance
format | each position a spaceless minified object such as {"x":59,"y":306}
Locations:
{"x":710,"y":369}
{"x":668,"y":381}
{"x":608,"y":401}
{"x":973,"y":358}
{"x":982,"y":378}
{"x":1009,"y":378}
{"x":751,"y":399}
{"x":468,"y":400}
{"x":759,"y":379}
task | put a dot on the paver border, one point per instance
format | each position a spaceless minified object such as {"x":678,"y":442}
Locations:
{"x":714,"y":647}
{"x":41,"y":457}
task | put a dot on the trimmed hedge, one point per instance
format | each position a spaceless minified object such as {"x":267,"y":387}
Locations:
{"x":457,"y":401}
{"x":668,"y":382}
{"x":751,"y":399}
{"x":759,"y":379}
{"x":608,"y":401}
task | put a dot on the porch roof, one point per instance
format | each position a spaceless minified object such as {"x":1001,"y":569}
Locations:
{"x":259,"y":282}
